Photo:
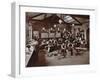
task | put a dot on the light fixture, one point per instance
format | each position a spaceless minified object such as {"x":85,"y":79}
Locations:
{"x":55,"y":25}
{"x":43,"y":29}
{"x":73,"y":24}
{"x":64,"y":29}
{"x":60,"y":21}
{"x":51,"y":28}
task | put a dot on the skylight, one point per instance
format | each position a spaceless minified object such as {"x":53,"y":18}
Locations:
{"x":68,"y":19}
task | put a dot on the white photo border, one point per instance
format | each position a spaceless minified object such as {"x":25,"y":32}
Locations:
{"x":19,"y":65}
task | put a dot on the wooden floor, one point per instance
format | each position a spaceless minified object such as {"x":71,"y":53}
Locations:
{"x":44,"y":60}
{"x":69,"y":60}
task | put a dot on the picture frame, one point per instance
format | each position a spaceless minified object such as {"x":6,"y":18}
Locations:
{"x":18,"y":68}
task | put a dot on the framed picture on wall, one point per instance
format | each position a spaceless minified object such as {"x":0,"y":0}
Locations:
{"x":51,"y":35}
{"x":44,"y":35}
{"x":68,"y":49}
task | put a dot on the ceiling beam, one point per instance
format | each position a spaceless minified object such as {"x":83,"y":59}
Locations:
{"x":81,"y":16}
{"x":75,"y":19}
{"x":45,"y":15}
{"x":35,"y":20}
{"x":37,"y":15}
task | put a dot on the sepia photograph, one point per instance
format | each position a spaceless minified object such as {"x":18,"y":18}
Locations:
{"x":54,"y":39}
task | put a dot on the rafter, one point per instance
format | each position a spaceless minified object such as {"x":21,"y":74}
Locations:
{"x":75,"y":19}
{"x":37,"y":15}
{"x":81,"y":16}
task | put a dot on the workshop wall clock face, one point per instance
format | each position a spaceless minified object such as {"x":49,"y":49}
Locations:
{"x":54,"y":39}
{"x":47,"y":40}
